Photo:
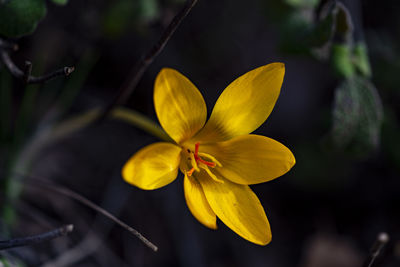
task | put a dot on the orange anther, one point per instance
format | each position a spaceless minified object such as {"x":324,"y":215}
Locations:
{"x":190,"y":172}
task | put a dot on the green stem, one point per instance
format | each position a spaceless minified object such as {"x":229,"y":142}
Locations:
{"x":120,"y":113}
{"x":140,"y":121}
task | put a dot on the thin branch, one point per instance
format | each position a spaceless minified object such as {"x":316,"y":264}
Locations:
{"x":376,"y":249}
{"x":8,"y":45}
{"x":18,"y":73}
{"x":28,"y":71}
{"x":69,"y":193}
{"x":30,"y":240}
{"x":141,"y":66}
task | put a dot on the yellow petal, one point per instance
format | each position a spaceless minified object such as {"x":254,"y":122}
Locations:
{"x":197,"y":202}
{"x":180,"y":107}
{"x":153,"y":166}
{"x":251,"y":159}
{"x":239,"y":208}
{"x":245,"y":104}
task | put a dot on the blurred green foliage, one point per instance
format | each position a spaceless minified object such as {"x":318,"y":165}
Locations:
{"x":125,"y":14}
{"x":357,"y":116}
{"x":302,"y":3}
{"x":341,"y":60}
{"x":361,"y":61}
{"x":60,"y":2}
{"x":20,"y":17}
{"x":324,"y":30}
{"x":8,"y":260}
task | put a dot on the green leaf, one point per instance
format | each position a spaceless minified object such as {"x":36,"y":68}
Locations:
{"x":60,"y":2}
{"x":302,"y":3}
{"x":295,"y":31}
{"x":149,"y":9}
{"x":361,"y":61}
{"x":341,"y":60}
{"x":118,"y":17}
{"x":357,"y":116}
{"x":20,"y":17}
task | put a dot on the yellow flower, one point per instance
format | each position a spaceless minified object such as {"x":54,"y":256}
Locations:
{"x":219,"y":159}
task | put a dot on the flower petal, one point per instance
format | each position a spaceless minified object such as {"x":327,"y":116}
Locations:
{"x":239,"y":208}
{"x":180,"y":107}
{"x":251,"y":159}
{"x":153,"y":166}
{"x":245,"y":104}
{"x":197,"y":202}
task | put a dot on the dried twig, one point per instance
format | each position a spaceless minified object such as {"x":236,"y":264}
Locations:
{"x":69,"y":193}
{"x":8,"y":45}
{"x":30,"y":240}
{"x":376,"y":249}
{"x":25,"y":75}
{"x":28,"y":71}
{"x":137,"y":71}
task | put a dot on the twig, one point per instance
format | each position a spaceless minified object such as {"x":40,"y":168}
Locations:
{"x":8,"y":45}
{"x":380,"y":242}
{"x":30,"y":240}
{"x":69,"y":193}
{"x":28,"y":71}
{"x":141,"y":66}
{"x":16,"y":72}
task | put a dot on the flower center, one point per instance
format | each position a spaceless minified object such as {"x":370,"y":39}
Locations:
{"x":197,"y":161}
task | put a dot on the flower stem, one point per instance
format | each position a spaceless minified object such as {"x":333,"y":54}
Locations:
{"x":35,"y":239}
{"x":140,"y":121}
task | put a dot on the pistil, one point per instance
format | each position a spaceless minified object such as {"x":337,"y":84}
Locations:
{"x":196,"y":156}
{"x":197,"y":162}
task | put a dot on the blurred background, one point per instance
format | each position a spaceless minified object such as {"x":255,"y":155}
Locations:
{"x":337,"y":112}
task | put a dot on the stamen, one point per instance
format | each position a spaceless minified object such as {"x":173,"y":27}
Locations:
{"x":197,"y":162}
{"x":211,"y":164}
{"x":205,"y":155}
{"x":193,"y":161}
{"x":212,"y":175}
{"x":190,"y":172}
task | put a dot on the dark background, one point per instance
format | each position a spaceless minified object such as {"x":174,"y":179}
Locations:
{"x":327,"y":211}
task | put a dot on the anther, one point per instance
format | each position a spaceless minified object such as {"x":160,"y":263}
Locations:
{"x":190,"y":172}
{"x":197,"y":162}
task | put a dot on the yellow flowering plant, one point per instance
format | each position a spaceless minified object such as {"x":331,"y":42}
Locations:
{"x":219,"y":158}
